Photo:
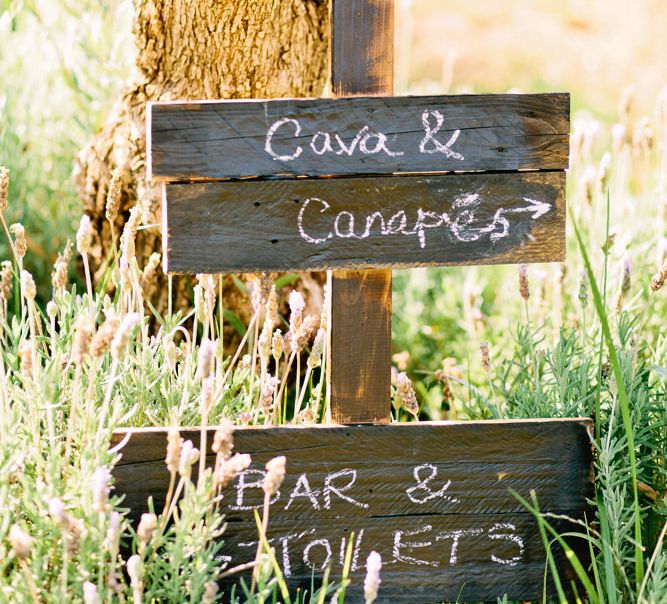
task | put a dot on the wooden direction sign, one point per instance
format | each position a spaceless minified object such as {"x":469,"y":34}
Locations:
{"x":432,"y":499}
{"x":352,"y":184}
{"x":364,"y":222}
{"x":509,"y":215}
{"x":379,"y":135}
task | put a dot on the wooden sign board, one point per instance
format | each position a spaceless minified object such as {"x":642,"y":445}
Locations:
{"x":308,"y":224}
{"x":514,"y":214}
{"x":432,"y":499}
{"x":358,"y":183}
{"x":349,"y":136}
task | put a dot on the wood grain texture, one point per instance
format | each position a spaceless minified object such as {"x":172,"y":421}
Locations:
{"x":359,"y":338}
{"x":227,"y":139}
{"x":362,"y":47}
{"x":397,"y":475}
{"x":359,"y":361}
{"x":254,"y":226}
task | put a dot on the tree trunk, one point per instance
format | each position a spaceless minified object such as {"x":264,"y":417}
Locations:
{"x":196,"y":49}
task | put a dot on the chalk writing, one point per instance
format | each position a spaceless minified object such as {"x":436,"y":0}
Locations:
{"x":329,"y":488}
{"x":508,"y":533}
{"x":421,"y":545}
{"x":306,"y":553}
{"x":461,"y":224}
{"x":337,"y":485}
{"x":242,"y":485}
{"x":365,"y":142}
{"x":223,"y":560}
{"x":415,"y":492}
{"x":455,"y":536}
{"x":284,"y":543}
{"x":400,"y":545}
{"x":302,"y":489}
{"x":431,"y":131}
{"x":357,"y":549}
{"x":273,"y":129}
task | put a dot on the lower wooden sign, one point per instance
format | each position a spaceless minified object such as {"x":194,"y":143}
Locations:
{"x":433,"y":499}
{"x":317,"y":224}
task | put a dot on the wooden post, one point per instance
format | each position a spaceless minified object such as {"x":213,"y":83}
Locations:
{"x":359,"y":351}
{"x":433,"y":499}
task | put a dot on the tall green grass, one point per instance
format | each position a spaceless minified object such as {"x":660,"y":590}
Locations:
{"x":613,"y":580}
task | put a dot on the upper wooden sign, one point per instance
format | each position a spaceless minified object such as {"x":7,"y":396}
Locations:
{"x":422,"y":217}
{"x":380,"y":135}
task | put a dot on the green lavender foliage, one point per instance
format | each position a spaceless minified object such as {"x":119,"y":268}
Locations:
{"x":55,"y":445}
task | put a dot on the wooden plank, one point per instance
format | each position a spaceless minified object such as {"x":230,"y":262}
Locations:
{"x":360,"y":343}
{"x":430,"y":577}
{"x":400,"y":484}
{"x":359,"y":337}
{"x":238,"y":139}
{"x":306,"y":224}
{"x":362,"y":47}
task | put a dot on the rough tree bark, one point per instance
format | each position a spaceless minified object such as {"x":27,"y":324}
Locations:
{"x":196,"y":49}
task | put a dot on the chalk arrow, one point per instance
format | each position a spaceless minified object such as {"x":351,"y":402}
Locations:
{"x":539,"y":208}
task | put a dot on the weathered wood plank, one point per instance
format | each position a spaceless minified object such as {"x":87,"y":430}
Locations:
{"x":306,"y":224}
{"x":362,"y":47}
{"x":359,"y":364}
{"x":238,"y":139}
{"x":430,"y":575}
{"x":359,"y":336}
{"x":400,"y":484}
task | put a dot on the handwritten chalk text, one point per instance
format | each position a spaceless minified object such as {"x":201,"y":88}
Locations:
{"x":365,"y":142}
{"x":413,"y":545}
{"x":419,"y":546}
{"x":461,"y":223}
{"x":337,"y":486}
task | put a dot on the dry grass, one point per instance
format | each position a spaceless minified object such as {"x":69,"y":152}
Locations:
{"x":593,"y":48}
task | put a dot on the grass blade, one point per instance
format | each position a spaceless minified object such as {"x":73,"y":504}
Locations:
{"x":571,"y":556}
{"x":594,"y":565}
{"x":598,"y":388}
{"x":623,"y":402}
{"x":346,"y":570}
{"x":276,"y":567}
{"x":607,"y":554}
{"x":547,"y":545}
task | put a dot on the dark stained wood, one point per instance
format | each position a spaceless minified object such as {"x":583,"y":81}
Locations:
{"x":254,"y":226}
{"x":362,"y":47}
{"x":483,"y":460}
{"x":474,"y":577}
{"x":359,"y":365}
{"x":227,"y":139}
{"x":359,"y":337}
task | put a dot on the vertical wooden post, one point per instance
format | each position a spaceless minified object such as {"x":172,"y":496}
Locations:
{"x":359,"y":366}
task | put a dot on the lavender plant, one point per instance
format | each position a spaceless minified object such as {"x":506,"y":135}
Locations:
{"x":90,"y":363}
